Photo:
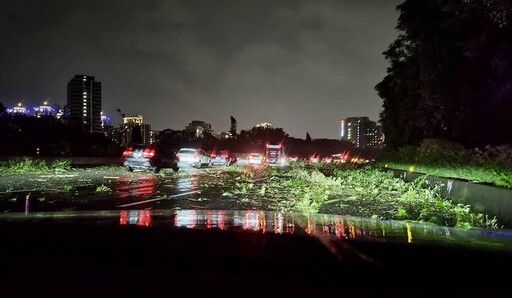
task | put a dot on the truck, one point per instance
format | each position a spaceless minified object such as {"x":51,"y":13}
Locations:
{"x":275,"y":154}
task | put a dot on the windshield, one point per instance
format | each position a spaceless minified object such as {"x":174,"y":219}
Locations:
{"x":379,"y":121}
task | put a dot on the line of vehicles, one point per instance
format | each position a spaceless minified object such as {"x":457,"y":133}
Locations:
{"x":149,"y":157}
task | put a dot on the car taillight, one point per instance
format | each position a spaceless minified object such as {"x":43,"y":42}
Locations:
{"x":128,"y":151}
{"x":148,"y":152}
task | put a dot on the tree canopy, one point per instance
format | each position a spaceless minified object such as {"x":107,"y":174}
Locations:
{"x":450,"y":73}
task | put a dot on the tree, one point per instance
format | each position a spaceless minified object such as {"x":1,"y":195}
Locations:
{"x":450,"y":73}
{"x":232,"y":128}
{"x":308,"y":138}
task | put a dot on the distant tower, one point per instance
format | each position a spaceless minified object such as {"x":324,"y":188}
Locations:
{"x":361,"y":131}
{"x":84,"y":102}
{"x":135,"y":123}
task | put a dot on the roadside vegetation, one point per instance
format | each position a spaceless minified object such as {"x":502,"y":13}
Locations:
{"x":27,"y":165}
{"x":357,"y":191}
{"x":492,"y":165}
{"x":364,"y":190}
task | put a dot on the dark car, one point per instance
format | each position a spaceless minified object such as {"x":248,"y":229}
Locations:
{"x":149,"y":157}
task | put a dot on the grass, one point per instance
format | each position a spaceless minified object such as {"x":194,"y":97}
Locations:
{"x":497,"y":176}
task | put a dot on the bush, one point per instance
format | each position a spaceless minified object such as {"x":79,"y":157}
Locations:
{"x":408,"y":154}
{"x":436,"y":151}
{"x":499,"y":156}
{"x":388,"y":156}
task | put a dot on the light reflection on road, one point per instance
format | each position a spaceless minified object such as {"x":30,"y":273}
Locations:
{"x":273,"y":222}
{"x":319,"y":225}
{"x":187,"y":182}
{"x":135,"y":217}
{"x":127,"y":187}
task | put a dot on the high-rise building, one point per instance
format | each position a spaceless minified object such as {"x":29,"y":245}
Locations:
{"x":153,"y":135}
{"x":195,"y":124}
{"x":135,"y":123}
{"x":84,"y":102}
{"x":361,"y":131}
{"x":199,"y":127}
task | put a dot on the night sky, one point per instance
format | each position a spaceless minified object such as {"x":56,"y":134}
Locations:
{"x":301,"y":65}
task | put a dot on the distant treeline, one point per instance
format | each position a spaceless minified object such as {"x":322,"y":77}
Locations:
{"x":48,"y":136}
{"x":255,"y":139}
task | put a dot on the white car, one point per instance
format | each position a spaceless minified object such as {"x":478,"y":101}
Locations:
{"x":256,"y":159}
{"x":192,"y":157}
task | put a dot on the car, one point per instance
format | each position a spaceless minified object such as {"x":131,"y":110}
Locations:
{"x":222,"y":157}
{"x":147,"y":157}
{"x":256,"y":159}
{"x":241,"y":159}
{"x":193,"y":157}
{"x":293,"y":158}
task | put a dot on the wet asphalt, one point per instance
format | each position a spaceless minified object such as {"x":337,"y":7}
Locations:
{"x":117,"y":189}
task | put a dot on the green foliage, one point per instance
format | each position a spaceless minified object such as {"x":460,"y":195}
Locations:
{"x":408,"y":154}
{"x":451,"y":160}
{"x":28,"y":165}
{"x":368,"y":191}
{"x":243,"y":171}
{"x":23,"y":166}
{"x":389,"y":156}
{"x":483,"y":174}
{"x":402,"y":214}
{"x":436,"y":151}
{"x":103,"y":188}
{"x":440,"y":81}
{"x":61,"y":165}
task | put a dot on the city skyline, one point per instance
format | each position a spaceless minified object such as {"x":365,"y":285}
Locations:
{"x":297,"y":64}
{"x":106,"y":119}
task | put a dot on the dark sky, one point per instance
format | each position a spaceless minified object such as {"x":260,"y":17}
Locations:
{"x":301,"y":65}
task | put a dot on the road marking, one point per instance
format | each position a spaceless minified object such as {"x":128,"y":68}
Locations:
{"x":108,"y":177}
{"x":158,"y":199}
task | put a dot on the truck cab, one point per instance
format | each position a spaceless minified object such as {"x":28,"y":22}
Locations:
{"x":274,"y":154}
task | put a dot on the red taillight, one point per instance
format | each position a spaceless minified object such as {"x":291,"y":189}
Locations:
{"x":128,"y":151}
{"x":148,"y":152}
